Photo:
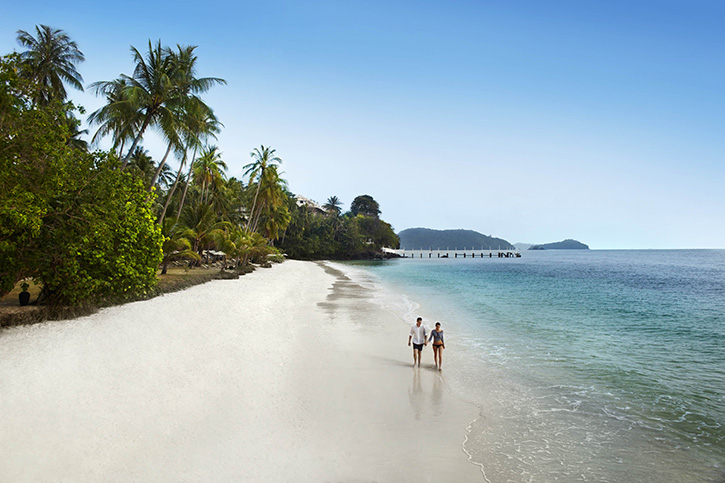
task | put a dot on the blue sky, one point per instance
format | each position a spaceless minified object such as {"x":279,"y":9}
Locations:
{"x":528,"y":120}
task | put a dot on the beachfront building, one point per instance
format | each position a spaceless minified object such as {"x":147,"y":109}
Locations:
{"x":311,"y":205}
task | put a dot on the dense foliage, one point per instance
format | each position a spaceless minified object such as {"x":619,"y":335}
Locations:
{"x":68,"y":218}
{"x":425,"y":238}
{"x":365,"y":205}
{"x":313,"y":236}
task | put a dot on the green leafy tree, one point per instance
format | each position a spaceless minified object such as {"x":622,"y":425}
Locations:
{"x":310,"y":236}
{"x":68,"y":218}
{"x":365,"y":205}
{"x":30,"y":139}
{"x":102,"y":241}
{"x":376,"y":232}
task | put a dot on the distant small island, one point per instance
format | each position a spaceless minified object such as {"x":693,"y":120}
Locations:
{"x":568,"y":244}
{"x":425,"y":238}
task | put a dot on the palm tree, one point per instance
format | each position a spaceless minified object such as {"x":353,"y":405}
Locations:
{"x":184,"y":62}
{"x":73,"y":140}
{"x":171,"y":134}
{"x":232,"y":201}
{"x":264,"y":157}
{"x":176,"y":243}
{"x":142,"y":161}
{"x":255,"y":247}
{"x":117,"y":117}
{"x":200,"y":125}
{"x":248,"y":245}
{"x":208,"y":171}
{"x":199,"y":122}
{"x":333,"y":206}
{"x":276,"y":219}
{"x":50,"y":62}
{"x":202,"y":226}
{"x":156,"y":94}
{"x":271,"y":203}
{"x":164,"y":176}
{"x":144,"y":99}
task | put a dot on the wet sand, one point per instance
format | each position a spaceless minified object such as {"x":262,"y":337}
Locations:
{"x":287,"y":374}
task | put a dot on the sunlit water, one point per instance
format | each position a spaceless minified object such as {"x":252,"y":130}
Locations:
{"x":587,"y":365}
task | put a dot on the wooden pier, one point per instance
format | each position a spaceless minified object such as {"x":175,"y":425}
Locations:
{"x":455,"y":253}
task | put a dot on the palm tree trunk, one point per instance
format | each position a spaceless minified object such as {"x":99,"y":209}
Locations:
{"x":171,"y":193}
{"x":120,"y":151}
{"x":257,"y":217}
{"x":186,"y":186}
{"x":254,"y":203}
{"x":161,"y":165}
{"x":135,"y":142}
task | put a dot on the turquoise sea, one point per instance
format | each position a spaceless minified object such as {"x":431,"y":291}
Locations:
{"x":587,"y":365}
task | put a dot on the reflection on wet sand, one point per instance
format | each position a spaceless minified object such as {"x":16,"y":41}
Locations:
{"x":437,"y":397}
{"x":426,"y":402}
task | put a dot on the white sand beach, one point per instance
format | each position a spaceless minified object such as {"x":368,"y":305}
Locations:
{"x":287,"y":374}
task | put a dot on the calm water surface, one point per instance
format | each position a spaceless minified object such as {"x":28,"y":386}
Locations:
{"x":587,"y":365}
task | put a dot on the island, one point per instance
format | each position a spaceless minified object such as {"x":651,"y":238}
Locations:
{"x":425,"y":238}
{"x":567,"y":244}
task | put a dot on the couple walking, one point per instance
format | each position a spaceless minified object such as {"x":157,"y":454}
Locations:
{"x":418,"y":334}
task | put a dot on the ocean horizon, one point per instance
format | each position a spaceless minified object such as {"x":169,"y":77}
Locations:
{"x":586,"y":365}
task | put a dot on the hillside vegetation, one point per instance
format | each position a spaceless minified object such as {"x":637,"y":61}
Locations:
{"x":425,"y":238}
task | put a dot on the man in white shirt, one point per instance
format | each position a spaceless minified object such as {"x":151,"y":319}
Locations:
{"x":418,"y":335}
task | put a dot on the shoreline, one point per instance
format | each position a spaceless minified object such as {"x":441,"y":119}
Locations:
{"x":532,"y":424}
{"x":291,"y":374}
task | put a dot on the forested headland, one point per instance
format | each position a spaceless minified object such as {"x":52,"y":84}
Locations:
{"x":86,"y":224}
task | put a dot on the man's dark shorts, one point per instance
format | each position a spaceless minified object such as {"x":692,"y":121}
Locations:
{"x":418,"y":347}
